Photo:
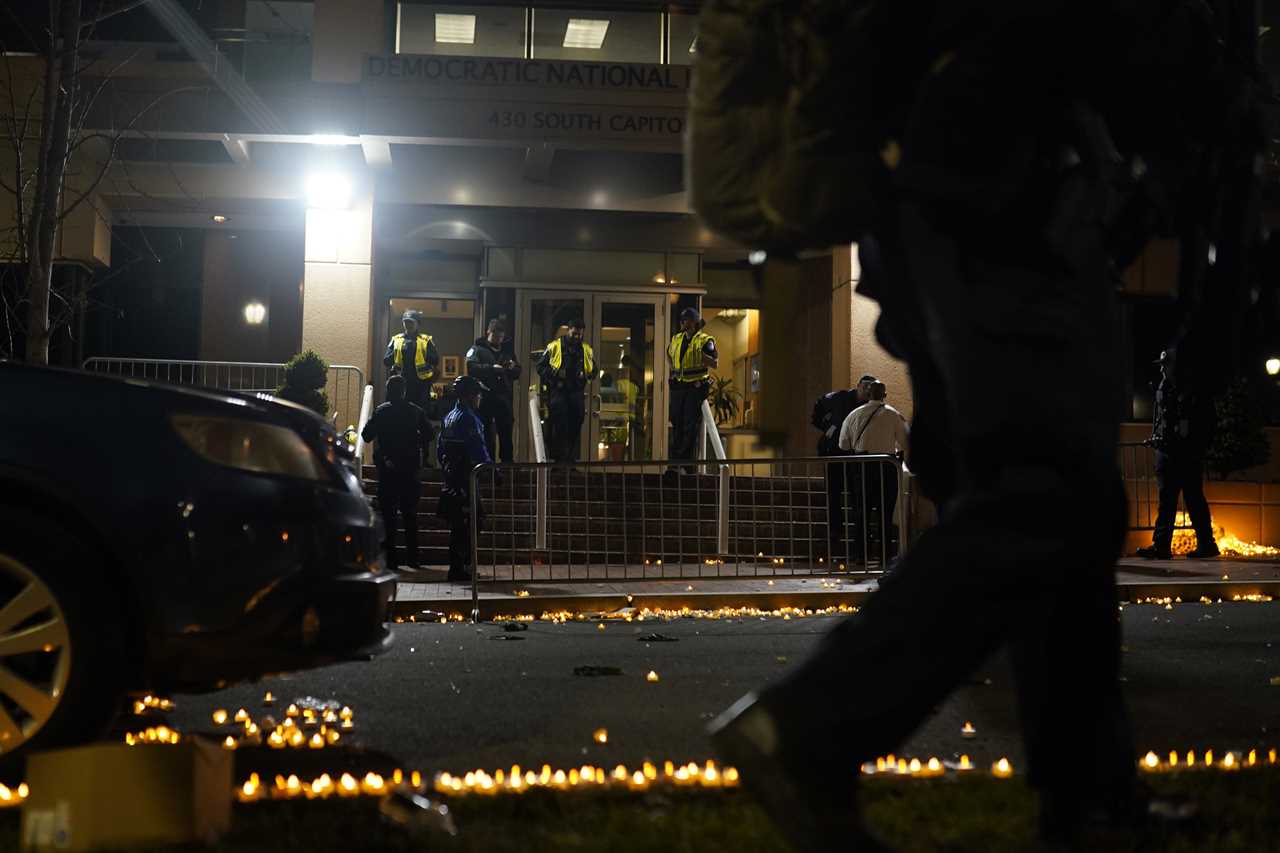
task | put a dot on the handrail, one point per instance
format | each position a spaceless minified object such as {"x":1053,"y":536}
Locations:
{"x":711,"y":435}
{"x":366,"y":409}
{"x":713,"y":432}
{"x":540,"y":456}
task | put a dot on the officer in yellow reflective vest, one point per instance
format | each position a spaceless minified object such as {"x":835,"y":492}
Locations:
{"x":691,"y":354}
{"x":414,"y":348}
{"x":566,"y":368}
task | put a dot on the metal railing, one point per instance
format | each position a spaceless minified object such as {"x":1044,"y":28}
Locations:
{"x":1138,"y":469}
{"x":345,"y":386}
{"x":366,"y":411}
{"x":620,"y":520}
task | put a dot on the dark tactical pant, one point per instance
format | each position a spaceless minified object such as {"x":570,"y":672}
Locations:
{"x":398,"y":493}
{"x":837,"y":499}
{"x":454,"y":507}
{"x":566,"y":409}
{"x":1181,"y":473}
{"x":686,"y":418}
{"x":1001,"y":569}
{"x":497,"y":416}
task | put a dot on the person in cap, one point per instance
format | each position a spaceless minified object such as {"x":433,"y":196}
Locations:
{"x":490,"y":361}
{"x":414,"y":348}
{"x":400,"y":433}
{"x":566,"y":368}
{"x":691,"y":354}
{"x":461,"y":448}
{"x":1181,"y":431}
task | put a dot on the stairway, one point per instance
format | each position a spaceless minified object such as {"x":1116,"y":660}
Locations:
{"x":611,"y":524}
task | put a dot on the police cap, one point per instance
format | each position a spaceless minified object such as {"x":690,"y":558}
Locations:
{"x":690,"y":314}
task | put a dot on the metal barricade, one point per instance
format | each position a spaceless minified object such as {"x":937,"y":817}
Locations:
{"x":345,"y":386}
{"x":620,"y":521}
{"x":1138,"y":470}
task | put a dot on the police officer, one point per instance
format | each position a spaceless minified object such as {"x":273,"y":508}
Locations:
{"x":400,"y":433}
{"x":413,"y":347}
{"x":494,"y":365}
{"x":566,"y":368}
{"x":1181,"y":432}
{"x":461,"y":448}
{"x":691,"y":354}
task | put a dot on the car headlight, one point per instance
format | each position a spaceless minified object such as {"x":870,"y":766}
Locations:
{"x":249,"y":446}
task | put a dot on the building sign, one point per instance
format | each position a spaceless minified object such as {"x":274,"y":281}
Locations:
{"x":552,"y":120}
{"x":466,"y":70}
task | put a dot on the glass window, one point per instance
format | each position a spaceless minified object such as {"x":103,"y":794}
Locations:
{"x":277,"y":40}
{"x":588,"y":267}
{"x":682,"y":44}
{"x":735,"y":391}
{"x":451,"y":30}
{"x":597,"y":35}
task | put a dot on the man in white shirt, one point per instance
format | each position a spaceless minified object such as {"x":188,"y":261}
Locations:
{"x":874,"y":427}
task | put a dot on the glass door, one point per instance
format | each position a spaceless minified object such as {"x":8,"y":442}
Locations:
{"x":626,"y":399}
{"x":627,"y":413}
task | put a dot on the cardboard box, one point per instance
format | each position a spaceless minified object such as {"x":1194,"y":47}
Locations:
{"x":118,"y":796}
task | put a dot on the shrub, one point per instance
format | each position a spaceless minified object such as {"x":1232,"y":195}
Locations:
{"x":305,"y":378}
{"x":1240,"y":440}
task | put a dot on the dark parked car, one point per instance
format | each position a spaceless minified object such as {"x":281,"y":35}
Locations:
{"x":161,"y":538}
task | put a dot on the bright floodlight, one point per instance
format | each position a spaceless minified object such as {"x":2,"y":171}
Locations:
{"x":1273,"y":366}
{"x":328,"y":190}
{"x":757,"y":257}
{"x":586,"y":33}
{"x":255,"y":313}
{"x":455,"y":29}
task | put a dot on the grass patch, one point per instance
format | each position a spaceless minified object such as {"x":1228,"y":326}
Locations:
{"x":1241,"y":813}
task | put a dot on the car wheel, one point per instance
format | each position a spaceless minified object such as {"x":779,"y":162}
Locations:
{"x":60,"y":641}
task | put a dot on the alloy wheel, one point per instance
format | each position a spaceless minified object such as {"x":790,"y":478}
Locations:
{"x":35,"y":653}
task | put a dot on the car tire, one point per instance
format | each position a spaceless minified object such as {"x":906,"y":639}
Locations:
{"x":61,"y":641}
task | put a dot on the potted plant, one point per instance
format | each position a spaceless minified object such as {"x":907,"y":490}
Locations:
{"x":724,"y":399}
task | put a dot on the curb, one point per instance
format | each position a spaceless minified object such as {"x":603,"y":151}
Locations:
{"x":1190,"y":592}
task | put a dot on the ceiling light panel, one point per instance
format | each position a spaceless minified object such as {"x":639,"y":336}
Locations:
{"x":586,"y":33}
{"x":455,"y":29}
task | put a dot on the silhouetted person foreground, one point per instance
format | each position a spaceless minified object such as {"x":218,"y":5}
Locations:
{"x":978,"y":188}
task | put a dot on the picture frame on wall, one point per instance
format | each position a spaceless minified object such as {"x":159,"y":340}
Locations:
{"x":450,"y":366}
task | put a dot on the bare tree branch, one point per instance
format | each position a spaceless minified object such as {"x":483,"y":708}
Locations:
{"x":115,"y":143}
{"x":104,"y":16}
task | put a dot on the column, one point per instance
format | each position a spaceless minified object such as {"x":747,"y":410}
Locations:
{"x":338,"y":285}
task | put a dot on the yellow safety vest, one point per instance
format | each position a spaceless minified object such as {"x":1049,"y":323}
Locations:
{"x":692,"y":369}
{"x":420,"y":366}
{"x":557,"y":357}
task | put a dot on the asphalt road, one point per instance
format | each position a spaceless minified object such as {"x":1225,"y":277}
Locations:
{"x":458,"y":696}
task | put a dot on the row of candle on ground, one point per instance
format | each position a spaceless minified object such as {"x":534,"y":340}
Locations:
{"x":1169,"y":601}
{"x":601,"y":619}
{"x":649,"y":774}
{"x":890,"y":764}
{"x":1154,"y":763}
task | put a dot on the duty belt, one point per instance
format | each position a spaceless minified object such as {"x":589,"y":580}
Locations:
{"x":690,"y":374}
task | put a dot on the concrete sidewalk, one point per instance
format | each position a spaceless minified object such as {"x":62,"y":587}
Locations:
{"x":426,"y":595}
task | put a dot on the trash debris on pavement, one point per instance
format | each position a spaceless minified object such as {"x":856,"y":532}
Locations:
{"x":591,"y":671}
{"x":504,"y":637}
{"x":514,"y":626}
{"x":417,"y":814}
{"x":655,"y":637}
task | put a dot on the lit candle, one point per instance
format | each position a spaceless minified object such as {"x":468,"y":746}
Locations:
{"x":967,"y":730}
{"x":229,"y":743}
{"x":268,"y":699}
{"x":651,"y":677}
{"x":1002,"y":769}
{"x":1151,"y":762}
{"x":965,"y":763}
{"x":317,"y":741}
{"x":601,"y":735}
{"x":219,"y":717}
{"x":291,"y":711}
{"x":241,"y":715}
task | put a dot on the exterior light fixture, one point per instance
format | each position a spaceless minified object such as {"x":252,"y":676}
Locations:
{"x":455,"y":29}
{"x":758,"y":257}
{"x":586,"y":33}
{"x":255,"y":313}
{"x":218,"y":218}
{"x":693,"y":45}
{"x":1273,"y":366}
{"x":328,"y":190}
